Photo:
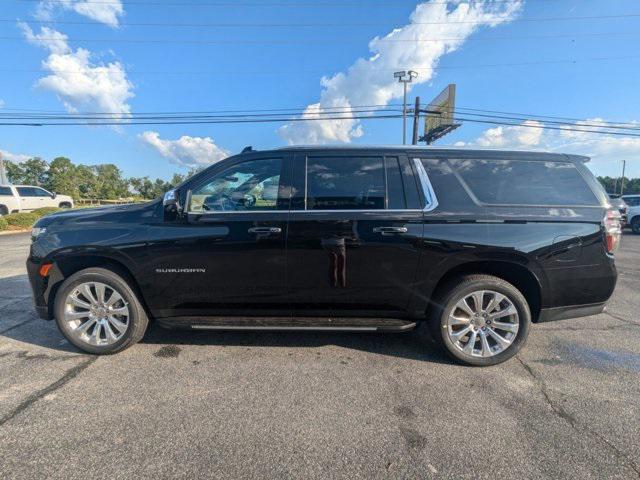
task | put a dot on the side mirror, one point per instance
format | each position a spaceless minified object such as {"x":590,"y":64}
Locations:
{"x":171,"y":205}
{"x":54,"y":195}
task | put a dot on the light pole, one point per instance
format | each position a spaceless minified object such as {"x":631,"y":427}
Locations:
{"x":404,"y":78}
{"x":3,"y":175}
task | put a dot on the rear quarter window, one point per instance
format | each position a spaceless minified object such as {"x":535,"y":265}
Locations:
{"x":524,"y":182}
{"x":5,"y":191}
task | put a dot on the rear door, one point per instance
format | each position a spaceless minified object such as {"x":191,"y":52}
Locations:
{"x":229,"y":258}
{"x":354,"y":225}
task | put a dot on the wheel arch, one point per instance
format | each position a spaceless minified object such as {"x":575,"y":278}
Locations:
{"x":515,"y":273}
{"x":69,"y":264}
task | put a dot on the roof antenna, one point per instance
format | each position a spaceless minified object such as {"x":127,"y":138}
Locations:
{"x":247,"y":149}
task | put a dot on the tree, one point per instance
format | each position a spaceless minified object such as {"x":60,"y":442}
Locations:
{"x":14,"y":171}
{"x":34,"y":171}
{"x":109,"y":182}
{"x":62,"y":177}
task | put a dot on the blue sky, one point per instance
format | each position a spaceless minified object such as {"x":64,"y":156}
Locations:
{"x":151,"y":73}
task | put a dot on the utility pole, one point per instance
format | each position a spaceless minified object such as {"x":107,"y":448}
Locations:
{"x":3,"y":173}
{"x":624,"y":164}
{"x":404,"y":78}
{"x":416,"y":120}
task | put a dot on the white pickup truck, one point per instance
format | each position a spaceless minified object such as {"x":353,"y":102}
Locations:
{"x":26,"y":198}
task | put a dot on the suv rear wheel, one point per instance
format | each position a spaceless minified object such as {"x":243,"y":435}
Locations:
{"x":635,"y":224}
{"x":480,"y":320}
{"x":98,"y":312}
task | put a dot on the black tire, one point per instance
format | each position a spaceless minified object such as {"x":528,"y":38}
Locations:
{"x":635,"y":224}
{"x":3,"y":210}
{"x":65,"y":205}
{"x":138,"y":319}
{"x":446,"y":299}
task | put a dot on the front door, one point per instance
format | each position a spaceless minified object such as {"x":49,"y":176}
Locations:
{"x":353,"y":236}
{"x":29,"y":199}
{"x":229,"y":258}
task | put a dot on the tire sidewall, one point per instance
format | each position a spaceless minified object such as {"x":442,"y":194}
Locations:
{"x":635,"y":225}
{"x":506,"y":289}
{"x":112,"y":280}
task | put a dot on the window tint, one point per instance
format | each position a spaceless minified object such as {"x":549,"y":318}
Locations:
{"x":6,"y":191}
{"x":520,"y":182}
{"x":345,"y":183}
{"x":396,"y":198}
{"x":449,"y":191}
{"x":41,"y":192}
{"x":632,"y":201}
{"x":248,"y":186}
{"x":26,"y":192}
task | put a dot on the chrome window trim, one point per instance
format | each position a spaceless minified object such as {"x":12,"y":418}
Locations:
{"x":427,"y":188}
{"x":226,"y":212}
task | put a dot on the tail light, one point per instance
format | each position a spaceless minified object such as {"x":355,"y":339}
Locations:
{"x":612,"y":230}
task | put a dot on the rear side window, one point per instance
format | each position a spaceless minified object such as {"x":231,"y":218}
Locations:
{"x":522,"y":182}
{"x":4,"y":191}
{"x":632,"y":201}
{"x":345,"y":183}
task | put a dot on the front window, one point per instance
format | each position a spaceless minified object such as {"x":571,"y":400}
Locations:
{"x":249,"y":186}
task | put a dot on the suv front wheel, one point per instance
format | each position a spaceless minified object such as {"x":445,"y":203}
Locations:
{"x":480,"y":320}
{"x":98,"y":312}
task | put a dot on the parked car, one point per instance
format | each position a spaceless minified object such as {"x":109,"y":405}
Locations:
{"x":633,"y":211}
{"x":26,"y":198}
{"x":618,"y":203}
{"x":470,"y":246}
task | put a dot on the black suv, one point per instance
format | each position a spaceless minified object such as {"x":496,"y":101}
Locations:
{"x":469,"y":246}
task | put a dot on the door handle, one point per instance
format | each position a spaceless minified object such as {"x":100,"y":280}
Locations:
{"x":390,"y":230}
{"x":265,"y":230}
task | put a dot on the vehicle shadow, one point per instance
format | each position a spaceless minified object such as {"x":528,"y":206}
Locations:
{"x":19,"y":322}
{"x":403,"y":345}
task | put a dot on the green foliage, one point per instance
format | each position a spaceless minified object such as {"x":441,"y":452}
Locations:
{"x":41,"y":212}
{"x":3,"y":224}
{"x":62,"y":177}
{"x":29,"y":172}
{"x":21,"y":220}
{"x":613,"y":184}
{"x":104,"y":181}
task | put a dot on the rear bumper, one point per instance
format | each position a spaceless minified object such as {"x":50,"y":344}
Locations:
{"x":574,"y":311}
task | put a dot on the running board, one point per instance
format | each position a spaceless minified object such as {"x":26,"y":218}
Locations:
{"x":288,"y":324}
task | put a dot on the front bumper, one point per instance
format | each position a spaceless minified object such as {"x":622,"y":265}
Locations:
{"x":43,"y":287}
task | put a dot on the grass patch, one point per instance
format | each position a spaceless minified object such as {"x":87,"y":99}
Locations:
{"x":19,"y":221}
{"x":41,"y":212}
{"x":4,"y":225}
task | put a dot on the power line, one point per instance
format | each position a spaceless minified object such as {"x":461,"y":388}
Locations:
{"x":318,"y":72}
{"x":332,"y":40}
{"x":329,"y":24}
{"x":33,"y":114}
{"x":269,"y":4}
{"x":282,"y":119}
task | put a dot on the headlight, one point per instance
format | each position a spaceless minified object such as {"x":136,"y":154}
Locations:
{"x":37,"y":231}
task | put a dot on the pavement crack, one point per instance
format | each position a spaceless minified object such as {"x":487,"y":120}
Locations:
{"x":572,"y":421}
{"x":69,"y":375}
{"x":622,"y":319}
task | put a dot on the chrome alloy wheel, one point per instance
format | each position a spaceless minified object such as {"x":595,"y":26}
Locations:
{"x":95,"y":313}
{"x":483,"y":324}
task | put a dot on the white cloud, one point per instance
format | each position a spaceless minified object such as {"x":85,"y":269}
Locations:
{"x":441,"y":27}
{"x":14,"y":157}
{"x":81,"y":84}
{"x":605,"y":150}
{"x":103,"y":11}
{"x":186,"y":151}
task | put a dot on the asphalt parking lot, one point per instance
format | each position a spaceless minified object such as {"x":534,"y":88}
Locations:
{"x":318,"y":405}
